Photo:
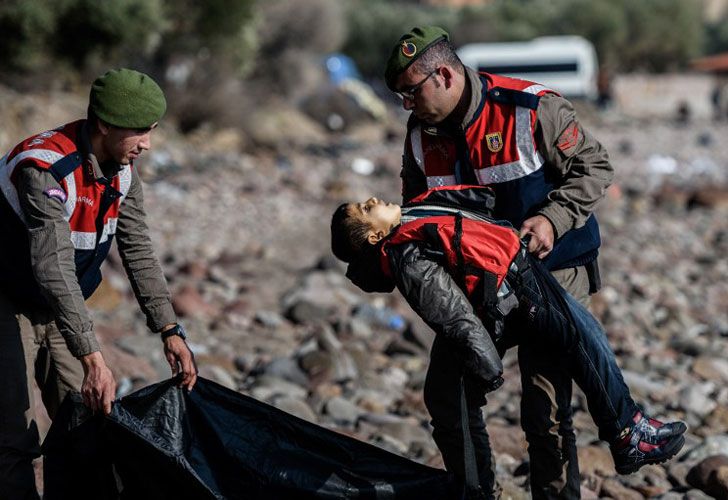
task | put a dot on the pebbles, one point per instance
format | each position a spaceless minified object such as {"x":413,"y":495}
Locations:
{"x":244,"y":241}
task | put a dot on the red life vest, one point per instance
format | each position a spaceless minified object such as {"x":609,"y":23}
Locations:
{"x":500,"y":150}
{"x":501,"y":142}
{"x":91,"y":207}
{"x":476,"y":253}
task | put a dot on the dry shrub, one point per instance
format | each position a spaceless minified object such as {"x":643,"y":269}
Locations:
{"x":292,"y":37}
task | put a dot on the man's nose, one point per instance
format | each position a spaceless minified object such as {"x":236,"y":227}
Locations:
{"x":408,"y":104}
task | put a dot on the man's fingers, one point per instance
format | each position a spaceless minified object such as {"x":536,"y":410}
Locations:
{"x":107,"y":404}
{"x":172,"y":360}
{"x":534,"y":244}
{"x":87,"y":399}
{"x":188,"y":367}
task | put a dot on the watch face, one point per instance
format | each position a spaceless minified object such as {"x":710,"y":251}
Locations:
{"x":177,"y":330}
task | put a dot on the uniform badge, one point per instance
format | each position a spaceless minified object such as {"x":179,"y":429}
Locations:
{"x":431,"y":130}
{"x":569,"y":139}
{"x":494,"y":142}
{"x":409,"y":49}
{"x":56,"y":193}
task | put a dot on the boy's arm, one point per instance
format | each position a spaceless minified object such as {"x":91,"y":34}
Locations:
{"x":434,"y":296}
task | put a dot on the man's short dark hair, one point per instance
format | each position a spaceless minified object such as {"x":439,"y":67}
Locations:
{"x":439,"y":54}
{"x":348,"y":234}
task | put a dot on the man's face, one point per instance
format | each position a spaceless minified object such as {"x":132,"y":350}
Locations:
{"x":429,"y":98}
{"x":124,"y":145}
{"x":379,"y":215}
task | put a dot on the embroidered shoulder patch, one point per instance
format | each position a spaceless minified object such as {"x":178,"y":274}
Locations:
{"x":569,"y":139}
{"x":56,"y":193}
{"x":494,"y":142}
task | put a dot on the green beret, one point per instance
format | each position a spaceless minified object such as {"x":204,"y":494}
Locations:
{"x":127,"y":99}
{"x":410,"y":47}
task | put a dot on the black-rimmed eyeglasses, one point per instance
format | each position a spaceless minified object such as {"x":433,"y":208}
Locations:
{"x":410,"y":93}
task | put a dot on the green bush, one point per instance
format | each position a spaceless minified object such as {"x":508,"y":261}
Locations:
{"x":26,"y":27}
{"x":652,"y":35}
{"x":222,"y":27}
{"x":88,"y":29}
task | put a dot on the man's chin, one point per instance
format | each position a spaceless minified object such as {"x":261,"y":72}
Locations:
{"x":429,"y":119}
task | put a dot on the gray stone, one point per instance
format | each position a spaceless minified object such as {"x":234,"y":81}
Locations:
{"x":305,"y":312}
{"x":670,"y":495}
{"x":286,"y":369}
{"x":611,"y":488}
{"x":390,"y":443}
{"x":342,"y":411}
{"x":296,"y":407}
{"x":269,"y":319}
{"x":697,"y":398}
{"x":266,"y":387}
{"x":713,"y":445}
{"x":218,"y":374}
{"x":643,"y":387}
{"x":408,"y":431}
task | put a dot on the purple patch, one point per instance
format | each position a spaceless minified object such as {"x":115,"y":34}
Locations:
{"x":56,"y":193}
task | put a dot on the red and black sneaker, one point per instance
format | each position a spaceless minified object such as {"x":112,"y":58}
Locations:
{"x":649,"y":441}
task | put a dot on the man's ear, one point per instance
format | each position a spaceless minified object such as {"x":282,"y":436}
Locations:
{"x":447,"y":75}
{"x":102,"y":127}
{"x":373,"y":237}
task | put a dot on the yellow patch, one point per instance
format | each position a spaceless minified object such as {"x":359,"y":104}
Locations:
{"x":409,"y":49}
{"x":494,"y":142}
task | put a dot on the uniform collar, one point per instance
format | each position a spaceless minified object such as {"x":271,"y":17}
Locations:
{"x":91,"y":165}
{"x":477,"y":85}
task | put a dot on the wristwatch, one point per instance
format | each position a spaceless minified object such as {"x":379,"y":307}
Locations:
{"x":175,"y":330}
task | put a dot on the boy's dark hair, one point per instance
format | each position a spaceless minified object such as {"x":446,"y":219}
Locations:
{"x":348,"y":234}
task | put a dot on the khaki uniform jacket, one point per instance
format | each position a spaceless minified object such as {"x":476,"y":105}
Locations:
{"x":52,"y":255}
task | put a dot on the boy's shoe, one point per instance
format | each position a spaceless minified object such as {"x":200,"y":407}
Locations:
{"x":649,"y":441}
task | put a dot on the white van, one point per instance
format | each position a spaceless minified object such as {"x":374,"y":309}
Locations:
{"x":567,"y":64}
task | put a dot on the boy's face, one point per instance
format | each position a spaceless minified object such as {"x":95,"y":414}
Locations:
{"x":380,"y":216}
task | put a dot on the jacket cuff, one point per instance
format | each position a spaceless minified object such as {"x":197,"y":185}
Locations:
{"x":559,"y":217}
{"x":81,"y":344}
{"x":160,"y":316}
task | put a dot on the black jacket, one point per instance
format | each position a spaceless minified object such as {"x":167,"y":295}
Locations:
{"x":434,"y":295}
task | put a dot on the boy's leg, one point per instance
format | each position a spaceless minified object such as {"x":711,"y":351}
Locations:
{"x":19,"y":440}
{"x":442,"y":397}
{"x":560,"y":323}
{"x":546,"y":413}
{"x":642,"y":440}
{"x":546,"y":418}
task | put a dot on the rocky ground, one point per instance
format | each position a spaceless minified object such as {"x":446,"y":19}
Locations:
{"x":243,"y":237}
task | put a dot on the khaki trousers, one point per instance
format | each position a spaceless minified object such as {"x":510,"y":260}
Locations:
{"x":31,"y":348}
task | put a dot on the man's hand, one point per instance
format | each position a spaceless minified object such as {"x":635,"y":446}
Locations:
{"x":180,"y":358}
{"x":99,"y":387}
{"x":542,"y":235}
